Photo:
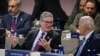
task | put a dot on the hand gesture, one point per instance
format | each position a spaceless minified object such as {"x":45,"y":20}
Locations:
{"x":44,"y":43}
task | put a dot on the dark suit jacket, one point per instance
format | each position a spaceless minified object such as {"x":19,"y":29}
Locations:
{"x":98,"y":5}
{"x":92,"y":43}
{"x":23,"y":23}
{"x":56,"y":40}
{"x":52,"y":6}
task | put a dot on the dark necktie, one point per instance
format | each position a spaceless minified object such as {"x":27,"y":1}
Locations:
{"x":81,"y":46}
{"x":14,"y":23}
{"x":37,"y":45}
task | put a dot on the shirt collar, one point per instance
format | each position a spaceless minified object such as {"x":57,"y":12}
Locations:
{"x":88,"y":35}
{"x":40,"y":32}
{"x":16,"y":15}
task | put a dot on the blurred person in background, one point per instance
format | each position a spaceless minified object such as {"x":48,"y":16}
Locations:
{"x":79,"y":7}
{"x":90,"y":10}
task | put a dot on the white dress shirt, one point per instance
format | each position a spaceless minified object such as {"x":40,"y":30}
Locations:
{"x":37,"y":38}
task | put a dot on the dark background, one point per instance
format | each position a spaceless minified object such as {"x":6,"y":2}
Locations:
{"x":28,"y":5}
{"x":3,"y":7}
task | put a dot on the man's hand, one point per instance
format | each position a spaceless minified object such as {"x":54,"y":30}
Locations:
{"x":8,"y":33}
{"x":14,"y":40}
{"x":70,"y":55}
{"x":45,"y":44}
{"x":78,"y":31}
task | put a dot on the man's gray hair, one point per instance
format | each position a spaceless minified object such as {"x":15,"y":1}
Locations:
{"x":87,"y":20}
{"x":17,"y":1}
{"x":45,"y":14}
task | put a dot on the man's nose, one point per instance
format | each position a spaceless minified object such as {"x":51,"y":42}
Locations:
{"x":9,"y":8}
{"x":90,"y":10}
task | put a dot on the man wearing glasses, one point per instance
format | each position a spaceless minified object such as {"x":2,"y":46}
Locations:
{"x":49,"y":40}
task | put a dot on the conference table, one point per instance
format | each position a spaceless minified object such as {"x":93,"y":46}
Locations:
{"x":70,"y":44}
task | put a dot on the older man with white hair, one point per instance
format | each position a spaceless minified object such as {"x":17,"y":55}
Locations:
{"x":90,"y":41}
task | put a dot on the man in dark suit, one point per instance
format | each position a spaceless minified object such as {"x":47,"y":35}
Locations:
{"x":49,"y":41}
{"x":22,"y":19}
{"x":91,"y":44}
{"x":52,"y":6}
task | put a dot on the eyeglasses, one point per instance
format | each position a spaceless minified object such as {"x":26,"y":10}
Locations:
{"x":48,"y":22}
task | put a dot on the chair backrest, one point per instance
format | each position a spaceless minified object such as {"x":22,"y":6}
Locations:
{"x":70,"y":44}
{"x":2,"y":37}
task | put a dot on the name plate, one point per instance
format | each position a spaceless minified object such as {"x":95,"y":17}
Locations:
{"x":44,"y":54}
{"x":14,"y":52}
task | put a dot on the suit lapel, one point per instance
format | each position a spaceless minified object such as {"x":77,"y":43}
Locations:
{"x":10,"y":21}
{"x":87,"y":44}
{"x":19,"y":19}
{"x":33,"y":37}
